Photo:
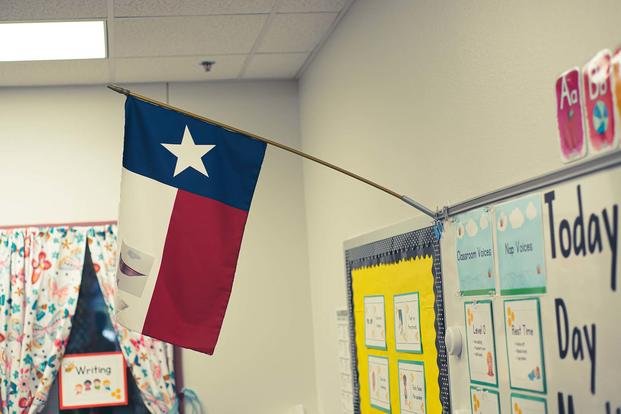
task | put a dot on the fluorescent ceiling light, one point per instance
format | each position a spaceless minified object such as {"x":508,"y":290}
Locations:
{"x":52,"y":40}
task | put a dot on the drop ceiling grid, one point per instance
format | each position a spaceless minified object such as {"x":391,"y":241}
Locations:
{"x":186,"y":35}
{"x":165,"y":40}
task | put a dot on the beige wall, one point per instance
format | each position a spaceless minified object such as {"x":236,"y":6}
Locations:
{"x":61,"y":162}
{"x":437,"y":100}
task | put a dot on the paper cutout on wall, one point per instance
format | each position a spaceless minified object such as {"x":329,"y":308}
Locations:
{"x":519,"y":245}
{"x":475,"y":253}
{"x":525,"y":345}
{"x":598,"y":99}
{"x":570,"y":121}
{"x":412,"y":393}
{"x":481,"y":342}
{"x":407,"y":323}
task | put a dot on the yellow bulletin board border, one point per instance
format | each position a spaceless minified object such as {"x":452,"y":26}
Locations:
{"x":402,"y":245}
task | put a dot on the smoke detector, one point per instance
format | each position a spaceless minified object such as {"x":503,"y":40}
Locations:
{"x":208,"y":64}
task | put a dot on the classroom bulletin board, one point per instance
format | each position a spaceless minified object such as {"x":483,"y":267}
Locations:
{"x":395,"y":299}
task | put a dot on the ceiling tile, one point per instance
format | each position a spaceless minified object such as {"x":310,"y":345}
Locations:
{"x":297,"y":6}
{"x":150,"y":8}
{"x":54,"y":72}
{"x":281,"y":66}
{"x":186,"y":68}
{"x":185,"y":36}
{"x":52,"y":9}
{"x":296,"y":32}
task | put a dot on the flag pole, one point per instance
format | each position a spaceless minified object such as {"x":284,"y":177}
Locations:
{"x":401,"y":197}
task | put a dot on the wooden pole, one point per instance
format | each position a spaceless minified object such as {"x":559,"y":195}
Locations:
{"x":401,"y":197}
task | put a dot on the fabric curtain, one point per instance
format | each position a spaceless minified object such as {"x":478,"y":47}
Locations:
{"x":40,"y":274}
{"x":150,"y":360}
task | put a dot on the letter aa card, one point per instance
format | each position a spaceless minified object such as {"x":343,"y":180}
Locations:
{"x":569,"y":115}
{"x":598,"y":99}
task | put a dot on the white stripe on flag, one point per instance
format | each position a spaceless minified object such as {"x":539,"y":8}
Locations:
{"x":145,"y":210}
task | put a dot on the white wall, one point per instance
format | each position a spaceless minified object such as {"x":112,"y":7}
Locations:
{"x":61,"y":162}
{"x":437,"y":100}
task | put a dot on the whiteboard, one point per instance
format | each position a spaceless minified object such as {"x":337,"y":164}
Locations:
{"x":583,"y":298}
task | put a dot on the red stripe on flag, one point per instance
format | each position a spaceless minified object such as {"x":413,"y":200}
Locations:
{"x":196,"y":274}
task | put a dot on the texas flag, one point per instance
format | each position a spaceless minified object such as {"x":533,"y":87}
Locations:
{"x":186,"y":189}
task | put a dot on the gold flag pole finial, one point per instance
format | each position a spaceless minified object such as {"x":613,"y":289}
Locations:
{"x":401,"y":197}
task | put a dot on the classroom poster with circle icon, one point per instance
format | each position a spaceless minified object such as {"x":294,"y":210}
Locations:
{"x":484,"y":401}
{"x":407,"y":323}
{"x":379,"y":383}
{"x":520,"y":246}
{"x":598,"y":100}
{"x":92,"y":380}
{"x":412,"y":396}
{"x":474,"y":253}
{"x":525,"y":345}
{"x":527,"y":404}
{"x":480,"y":341}
{"x":375,"y":322}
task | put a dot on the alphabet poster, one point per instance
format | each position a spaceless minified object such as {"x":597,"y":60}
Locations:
{"x":598,"y":100}
{"x":519,"y":243}
{"x":525,"y":345}
{"x":92,"y":380}
{"x":569,"y":115}
{"x":474,"y":253}
{"x":616,"y":77}
{"x":481,"y":346}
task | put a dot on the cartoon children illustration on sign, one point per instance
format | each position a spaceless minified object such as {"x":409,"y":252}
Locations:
{"x":87,"y":385}
{"x":490,"y":364}
{"x":401,"y":325}
{"x":78,"y":389}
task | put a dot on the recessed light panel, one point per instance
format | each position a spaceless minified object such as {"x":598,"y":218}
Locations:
{"x":52,"y":41}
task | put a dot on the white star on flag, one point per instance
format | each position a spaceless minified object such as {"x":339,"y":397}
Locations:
{"x":189,"y":154}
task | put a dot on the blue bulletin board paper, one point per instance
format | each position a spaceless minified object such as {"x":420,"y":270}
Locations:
{"x":474,"y":253}
{"x":520,"y":246}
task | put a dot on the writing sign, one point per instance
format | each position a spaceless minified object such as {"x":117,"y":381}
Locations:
{"x":379,"y":383}
{"x":569,"y":115}
{"x":374,"y":322}
{"x":598,"y":99}
{"x":481,"y":343}
{"x":484,"y":401}
{"x":474,"y":253}
{"x":92,"y":380}
{"x":520,"y":247}
{"x":412,"y":387}
{"x":525,"y":345}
